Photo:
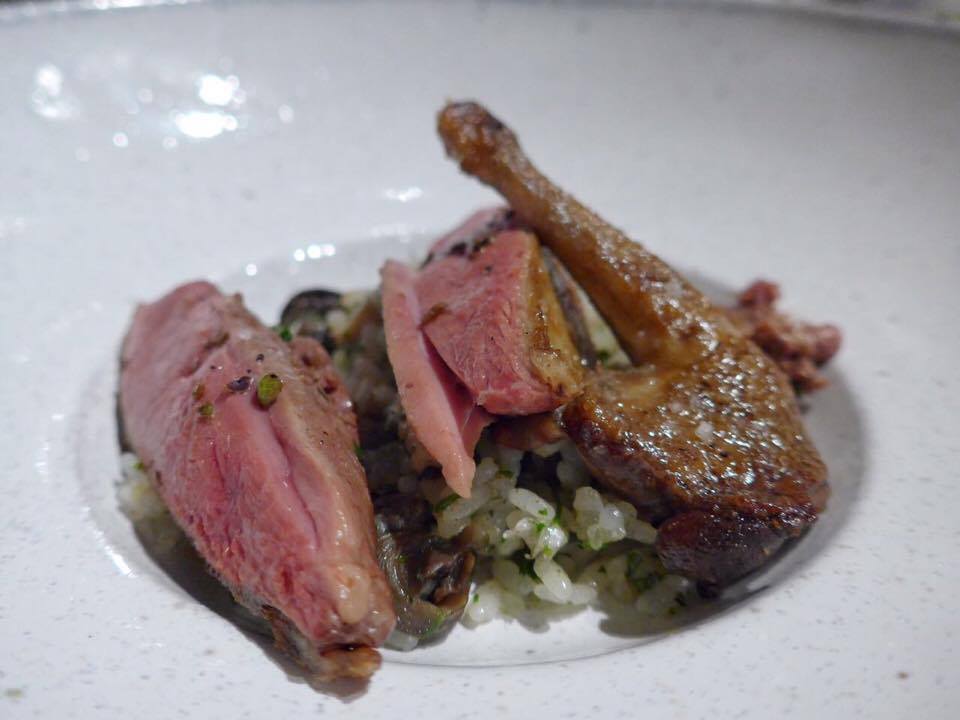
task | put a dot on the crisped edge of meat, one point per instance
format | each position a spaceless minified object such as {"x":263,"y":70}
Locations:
{"x":357,"y":662}
{"x":799,"y":347}
{"x":715,"y":549}
{"x":554,"y":356}
{"x":568,"y":294}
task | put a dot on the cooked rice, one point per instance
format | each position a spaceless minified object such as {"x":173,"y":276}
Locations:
{"x":544,"y":544}
{"x":140,"y":502}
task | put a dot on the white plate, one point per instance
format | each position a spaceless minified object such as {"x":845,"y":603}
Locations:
{"x":145,"y":147}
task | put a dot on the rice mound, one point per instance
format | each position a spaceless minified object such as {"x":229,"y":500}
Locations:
{"x":142,"y":504}
{"x":546,"y":543}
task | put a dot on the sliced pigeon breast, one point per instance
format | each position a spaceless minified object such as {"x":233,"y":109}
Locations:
{"x":441,"y":412}
{"x":251,"y":444}
{"x":490,"y":310}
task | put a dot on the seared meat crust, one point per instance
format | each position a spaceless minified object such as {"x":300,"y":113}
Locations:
{"x":704,"y":435}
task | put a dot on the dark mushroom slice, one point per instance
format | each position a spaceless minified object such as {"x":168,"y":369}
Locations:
{"x":429,"y":576}
{"x":306,"y":314}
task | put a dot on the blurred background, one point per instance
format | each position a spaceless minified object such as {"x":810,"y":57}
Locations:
{"x":921,"y":12}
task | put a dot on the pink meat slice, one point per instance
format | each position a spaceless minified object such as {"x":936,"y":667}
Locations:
{"x":440,"y":411}
{"x":483,"y":222}
{"x":491,"y":313}
{"x":274,"y":499}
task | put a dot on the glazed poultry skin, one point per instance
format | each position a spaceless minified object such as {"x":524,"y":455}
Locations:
{"x":703,"y":435}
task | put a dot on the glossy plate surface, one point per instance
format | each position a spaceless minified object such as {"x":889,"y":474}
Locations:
{"x":272,"y":148}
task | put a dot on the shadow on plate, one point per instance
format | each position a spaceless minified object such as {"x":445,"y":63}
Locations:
{"x":181,"y":563}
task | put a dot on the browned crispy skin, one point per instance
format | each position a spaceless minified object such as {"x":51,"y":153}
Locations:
{"x":653,"y":311}
{"x":800,"y":348}
{"x":553,"y":353}
{"x":728,"y":476}
{"x":704,"y":435}
{"x":568,"y":295}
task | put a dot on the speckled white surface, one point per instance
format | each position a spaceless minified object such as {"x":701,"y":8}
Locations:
{"x":144,"y":147}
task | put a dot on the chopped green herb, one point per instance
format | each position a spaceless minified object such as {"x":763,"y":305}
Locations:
{"x":525,"y":563}
{"x":603,"y":355}
{"x":435,"y":624}
{"x":445,"y":503}
{"x":543,"y":511}
{"x":138,"y":465}
{"x":504,"y":474}
{"x":284,"y":332}
{"x":476,"y":597}
{"x":638,"y":574}
{"x":206,"y":410}
{"x":643,"y":583}
{"x":357,"y":450}
{"x":268,"y":389}
{"x":540,"y":526}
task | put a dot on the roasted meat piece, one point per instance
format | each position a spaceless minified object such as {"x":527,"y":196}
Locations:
{"x":439,"y":410}
{"x":250,"y":442}
{"x":800,"y":348}
{"x":694,"y":451}
{"x":703,"y":435}
{"x":491,"y":312}
{"x":478,"y":330}
{"x":574,"y":308}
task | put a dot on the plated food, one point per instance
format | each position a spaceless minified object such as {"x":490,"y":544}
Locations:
{"x":542,"y":415}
